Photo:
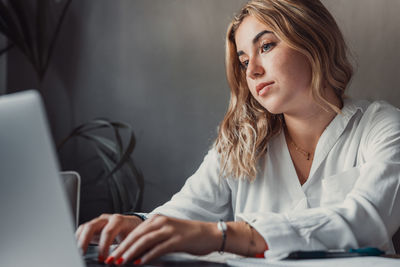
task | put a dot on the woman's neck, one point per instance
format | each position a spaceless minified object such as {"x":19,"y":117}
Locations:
{"x":306,"y":128}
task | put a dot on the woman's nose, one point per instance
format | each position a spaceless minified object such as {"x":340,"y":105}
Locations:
{"x":255,"y":69}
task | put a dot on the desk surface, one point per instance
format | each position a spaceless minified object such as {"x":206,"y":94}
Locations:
{"x":173,"y":259}
{"x":170,"y":263}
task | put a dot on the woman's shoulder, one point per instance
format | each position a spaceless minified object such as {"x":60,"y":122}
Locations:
{"x":378,"y":110}
{"x":383,"y":114}
{"x":378,"y":118}
{"x":383,"y":107}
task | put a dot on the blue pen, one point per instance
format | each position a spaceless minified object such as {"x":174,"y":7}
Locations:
{"x":322,"y":254}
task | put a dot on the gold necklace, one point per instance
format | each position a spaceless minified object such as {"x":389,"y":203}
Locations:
{"x":306,"y":154}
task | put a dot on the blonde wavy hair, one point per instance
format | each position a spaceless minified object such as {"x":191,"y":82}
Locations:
{"x":304,"y":25}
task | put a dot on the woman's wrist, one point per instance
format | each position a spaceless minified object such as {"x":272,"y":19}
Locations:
{"x":136,"y":214}
{"x":241,"y":239}
{"x":237,"y":238}
{"x":215,"y":236}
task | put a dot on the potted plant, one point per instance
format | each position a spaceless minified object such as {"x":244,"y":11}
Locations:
{"x":112,"y":173}
{"x":33,"y":33}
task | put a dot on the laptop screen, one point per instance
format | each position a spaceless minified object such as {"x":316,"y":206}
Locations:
{"x":36,"y":226}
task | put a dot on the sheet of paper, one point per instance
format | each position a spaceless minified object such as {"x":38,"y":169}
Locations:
{"x":342,"y":262}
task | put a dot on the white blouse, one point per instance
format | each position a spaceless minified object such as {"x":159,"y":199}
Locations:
{"x":350,"y":200}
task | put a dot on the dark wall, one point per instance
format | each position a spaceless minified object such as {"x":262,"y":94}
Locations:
{"x":156,"y":64}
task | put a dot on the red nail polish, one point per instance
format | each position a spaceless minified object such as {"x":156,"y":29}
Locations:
{"x":137,"y":262}
{"x":101,"y":258}
{"x":259,"y":255}
{"x":109,"y":260}
{"x":119,"y":261}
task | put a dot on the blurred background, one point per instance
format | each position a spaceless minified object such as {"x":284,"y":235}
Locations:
{"x":158,"y":65}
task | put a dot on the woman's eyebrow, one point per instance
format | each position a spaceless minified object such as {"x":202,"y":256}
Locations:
{"x":258,"y":36}
{"x":255,"y":40}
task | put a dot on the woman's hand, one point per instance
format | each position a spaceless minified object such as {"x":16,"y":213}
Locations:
{"x":160,"y":235}
{"x":107,"y":227}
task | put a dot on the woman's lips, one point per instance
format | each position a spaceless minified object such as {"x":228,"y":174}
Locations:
{"x":262,"y":88}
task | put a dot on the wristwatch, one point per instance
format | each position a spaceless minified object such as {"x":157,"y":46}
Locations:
{"x":223,"y":228}
{"x":139,"y":215}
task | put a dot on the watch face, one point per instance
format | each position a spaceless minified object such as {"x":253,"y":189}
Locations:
{"x":222,"y":226}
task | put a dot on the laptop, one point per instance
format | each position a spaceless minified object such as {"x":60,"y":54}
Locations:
{"x":36,"y":224}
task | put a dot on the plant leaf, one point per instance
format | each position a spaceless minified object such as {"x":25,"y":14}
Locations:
{"x":5,"y":49}
{"x":100,"y":123}
{"x":126,"y":156}
{"x":55,"y":36}
{"x":41,"y":28}
{"x":95,"y":124}
{"x":103,"y":141}
{"x":10,"y":29}
{"x":85,"y":127}
{"x":24,"y":26}
{"x":117,"y":163}
{"x":118,"y":182}
{"x":109,"y":162}
{"x":127,"y":153}
{"x":118,"y":137}
{"x":9,"y":23}
{"x":4,"y":30}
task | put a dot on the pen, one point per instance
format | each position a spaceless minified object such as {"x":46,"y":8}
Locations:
{"x":321,"y":254}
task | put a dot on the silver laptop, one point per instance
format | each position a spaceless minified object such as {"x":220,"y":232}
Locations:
{"x":36,"y":227}
{"x":36,"y":224}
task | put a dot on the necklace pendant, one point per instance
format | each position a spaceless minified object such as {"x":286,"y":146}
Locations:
{"x":308,"y":156}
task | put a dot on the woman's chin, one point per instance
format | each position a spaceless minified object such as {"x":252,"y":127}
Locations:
{"x":272,"y":107}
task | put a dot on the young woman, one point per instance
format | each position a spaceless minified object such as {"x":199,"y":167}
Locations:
{"x":295,"y":165}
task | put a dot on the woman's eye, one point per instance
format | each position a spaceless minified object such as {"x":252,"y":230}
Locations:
{"x":245,"y":64}
{"x":267,"y":47}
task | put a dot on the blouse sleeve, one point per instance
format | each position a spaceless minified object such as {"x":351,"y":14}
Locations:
{"x":368,"y":216}
{"x":205,"y":196}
